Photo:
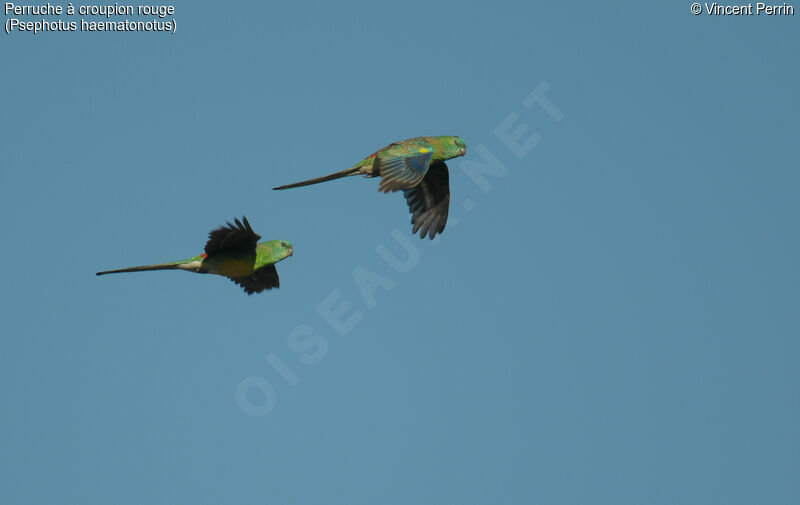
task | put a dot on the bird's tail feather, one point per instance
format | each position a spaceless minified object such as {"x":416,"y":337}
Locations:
{"x":335,"y":175}
{"x":144,"y":268}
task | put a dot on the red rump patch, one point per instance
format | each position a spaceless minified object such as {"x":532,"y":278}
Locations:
{"x":204,"y":255}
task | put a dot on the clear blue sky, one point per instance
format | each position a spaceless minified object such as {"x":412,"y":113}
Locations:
{"x":613,"y":321}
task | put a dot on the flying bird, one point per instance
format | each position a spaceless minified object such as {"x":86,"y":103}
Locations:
{"x":233,"y":251}
{"x":417,"y":168}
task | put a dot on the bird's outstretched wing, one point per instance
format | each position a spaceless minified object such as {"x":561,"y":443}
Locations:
{"x":232,"y":237}
{"x":403,"y":165}
{"x":429,"y":201}
{"x":263,"y":278}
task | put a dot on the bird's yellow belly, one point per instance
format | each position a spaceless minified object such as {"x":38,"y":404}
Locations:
{"x":230,"y":266}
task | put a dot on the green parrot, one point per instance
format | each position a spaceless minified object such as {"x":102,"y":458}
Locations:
{"x":235,"y":252}
{"x":417,"y":168}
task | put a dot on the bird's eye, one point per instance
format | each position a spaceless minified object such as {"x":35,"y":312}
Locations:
{"x":283,"y":244}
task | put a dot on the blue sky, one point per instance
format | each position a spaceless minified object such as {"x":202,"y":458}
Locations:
{"x":610,"y":318}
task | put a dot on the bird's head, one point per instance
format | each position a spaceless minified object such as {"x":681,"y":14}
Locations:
{"x":451,"y":147}
{"x":278,"y":249}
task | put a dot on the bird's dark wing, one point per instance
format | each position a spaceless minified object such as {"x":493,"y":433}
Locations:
{"x":402,"y":166}
{"x":263,"y":278}
{"x":232,"y":237}
{"x":429,"y":201}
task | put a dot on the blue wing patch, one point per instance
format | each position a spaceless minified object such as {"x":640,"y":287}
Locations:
{"x":403,"y":172}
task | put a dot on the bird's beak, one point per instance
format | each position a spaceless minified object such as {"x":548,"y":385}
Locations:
{"x":291,"y":251}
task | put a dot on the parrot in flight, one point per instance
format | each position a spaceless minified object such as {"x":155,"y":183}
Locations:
{"x":417,"y":168}
{"x":234,"y":252}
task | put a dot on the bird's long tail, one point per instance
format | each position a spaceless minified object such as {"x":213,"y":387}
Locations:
{"x":335,"y":175}
{"x":144,"y":268}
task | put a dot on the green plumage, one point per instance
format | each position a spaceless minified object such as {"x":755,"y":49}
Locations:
{"x":415,"y":166}
{"x":232,"y":251}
